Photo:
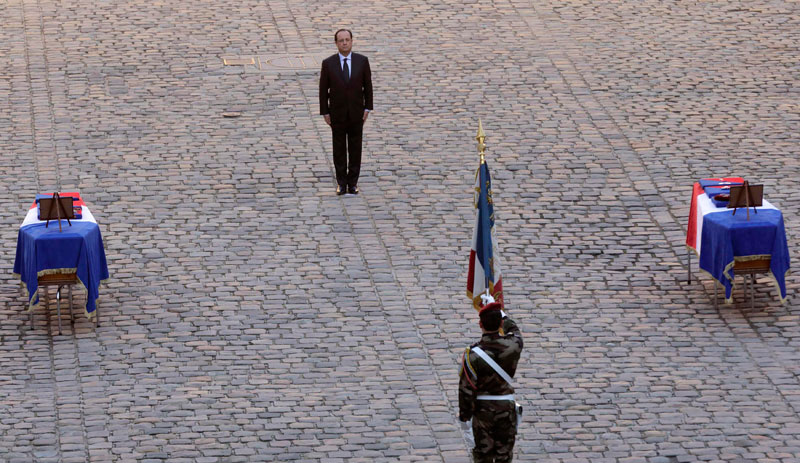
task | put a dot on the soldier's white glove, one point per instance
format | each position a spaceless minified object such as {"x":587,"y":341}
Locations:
{"x":466,"y":429}
{"x":488,"y":299}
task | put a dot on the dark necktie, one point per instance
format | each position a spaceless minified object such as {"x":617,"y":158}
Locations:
{"x":346,"y":71}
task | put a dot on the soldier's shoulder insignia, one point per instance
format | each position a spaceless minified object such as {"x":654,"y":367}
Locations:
{"x":467,"y":363}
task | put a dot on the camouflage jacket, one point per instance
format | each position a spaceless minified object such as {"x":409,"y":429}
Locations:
{"x":476,"y":377}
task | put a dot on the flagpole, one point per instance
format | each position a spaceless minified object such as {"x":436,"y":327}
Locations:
{"x":481,"y":137}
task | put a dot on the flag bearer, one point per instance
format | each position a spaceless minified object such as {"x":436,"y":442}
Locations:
{"x":483,"y":394}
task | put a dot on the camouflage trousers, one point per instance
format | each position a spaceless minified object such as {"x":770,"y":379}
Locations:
{"x":494,"y":426}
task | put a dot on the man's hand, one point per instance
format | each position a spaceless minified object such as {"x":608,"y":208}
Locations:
{"x":327,"y":119}
{"x":366,"y":115}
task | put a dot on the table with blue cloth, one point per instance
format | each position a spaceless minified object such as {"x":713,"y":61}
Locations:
{"x":727,"y":238}
{"x":46,"y":250}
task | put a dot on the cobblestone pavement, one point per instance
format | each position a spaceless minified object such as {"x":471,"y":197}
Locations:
{"x":253,"y":315}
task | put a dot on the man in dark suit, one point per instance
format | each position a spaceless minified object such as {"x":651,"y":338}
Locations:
{"x":345,"y":100}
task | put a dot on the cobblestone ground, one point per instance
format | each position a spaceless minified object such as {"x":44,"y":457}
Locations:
{"x":253,"y":315}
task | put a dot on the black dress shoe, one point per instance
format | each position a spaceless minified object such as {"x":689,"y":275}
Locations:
{"x":353,"y":190}
{"x":340,"y":190}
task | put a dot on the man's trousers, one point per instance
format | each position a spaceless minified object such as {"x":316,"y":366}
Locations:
{"x":494,"y":426}
{"x":347,"y":141}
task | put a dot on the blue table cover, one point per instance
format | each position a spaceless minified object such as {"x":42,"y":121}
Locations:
{"x":77,"y":248}
{"x":727,"y":236}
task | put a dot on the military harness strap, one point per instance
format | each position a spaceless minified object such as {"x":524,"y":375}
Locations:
{"x":495,"y":397}
{"x":506,"y":377}
{"x":493,"y":364}
{"x":499,"y":371}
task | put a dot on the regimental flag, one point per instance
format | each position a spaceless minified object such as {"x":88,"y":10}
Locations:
{"x":484,"y":258}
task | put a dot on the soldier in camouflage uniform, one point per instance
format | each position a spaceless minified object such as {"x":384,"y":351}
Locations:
{"x":494,"y":420}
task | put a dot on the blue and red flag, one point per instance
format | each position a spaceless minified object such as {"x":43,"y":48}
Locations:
{"x":484,"y":259}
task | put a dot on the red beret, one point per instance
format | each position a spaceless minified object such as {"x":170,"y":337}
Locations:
{"x":491,"y":306}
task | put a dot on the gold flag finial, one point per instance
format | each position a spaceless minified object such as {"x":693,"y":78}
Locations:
{"x":481,"y":137}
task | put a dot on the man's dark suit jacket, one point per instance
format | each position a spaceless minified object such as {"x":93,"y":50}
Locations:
{"x":345,"y":101}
